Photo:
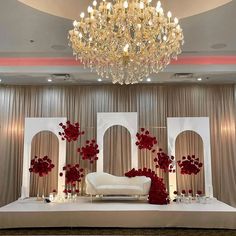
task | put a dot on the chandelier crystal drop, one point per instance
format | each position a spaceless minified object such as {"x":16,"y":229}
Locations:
{"x":126,"y":41}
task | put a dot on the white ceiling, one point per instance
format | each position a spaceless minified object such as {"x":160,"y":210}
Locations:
{"x":20,"y":23}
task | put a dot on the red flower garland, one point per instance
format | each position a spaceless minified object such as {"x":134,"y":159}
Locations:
{"x":157,"y":194}
{"x":41,"y":166}
{"x":145,"y":140}
{"x":89,"y":151}
{"x":164,"y":162}
{"x":189,"y":165}
{"x":71,"y":131}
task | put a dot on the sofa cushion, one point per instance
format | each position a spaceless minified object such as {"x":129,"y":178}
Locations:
{"x":119,"y":189}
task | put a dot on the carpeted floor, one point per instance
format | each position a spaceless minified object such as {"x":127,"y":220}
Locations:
{"x":119,"y":231}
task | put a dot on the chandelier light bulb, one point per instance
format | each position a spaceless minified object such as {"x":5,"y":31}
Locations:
{"x":90,"y":9}
{"x":126,"y":48}
{"x":94,"y":3}
{"x":169,"y":14}
{"x":75,"y":23}
{"x":176,"y":20}
{"x":82,"y":15}
{"x":125,"y":4}
{"x":141,"y":5}
{"x":126,"y":41}
{"x":161,"y":11}
{"x":109,"y":6}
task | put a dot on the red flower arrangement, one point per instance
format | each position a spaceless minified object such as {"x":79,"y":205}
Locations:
{"x":189,"y":165}
{"x":145,"y":140}
{"x":71,"y":131}
{"x":157,"y":194}
{"x":199,"y":192}
{"x":183,"y":192}
{"x":41,"y":166}
{"x":89,"y":151}
{"x":164,"y":162}
{"x":73,"y":175}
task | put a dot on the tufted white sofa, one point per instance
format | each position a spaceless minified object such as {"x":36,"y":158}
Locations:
{"x":100,"y":183}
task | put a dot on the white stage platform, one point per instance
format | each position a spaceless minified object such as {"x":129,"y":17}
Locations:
{"x":116,"y":213}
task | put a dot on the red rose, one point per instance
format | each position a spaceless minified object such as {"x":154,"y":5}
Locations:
{"x":199,"y":192}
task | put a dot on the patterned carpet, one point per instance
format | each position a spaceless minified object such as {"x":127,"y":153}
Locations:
{"x":119,"y":231}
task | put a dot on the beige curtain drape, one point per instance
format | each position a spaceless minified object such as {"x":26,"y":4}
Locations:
{"x":153,"y":103}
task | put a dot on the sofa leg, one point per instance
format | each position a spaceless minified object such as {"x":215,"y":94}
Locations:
{"x":91,"y":198}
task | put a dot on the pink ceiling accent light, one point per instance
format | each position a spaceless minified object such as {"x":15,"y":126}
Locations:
{"x":183,"y":60}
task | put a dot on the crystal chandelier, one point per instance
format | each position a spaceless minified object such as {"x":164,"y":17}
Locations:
{"x":127,"y":40}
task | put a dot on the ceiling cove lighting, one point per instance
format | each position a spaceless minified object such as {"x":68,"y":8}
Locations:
{"x":126,"y":40}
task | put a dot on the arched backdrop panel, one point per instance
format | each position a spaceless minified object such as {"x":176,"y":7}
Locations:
{"x":106,"y":120}
{"x":189,"y":143}
{"x":117,"y":143}
{"x":32,"y":127}
{"x":45,"y":143}
{"x":175,"y":126}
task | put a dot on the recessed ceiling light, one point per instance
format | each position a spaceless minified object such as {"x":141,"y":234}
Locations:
{"x":49,"y":80}
{"x":199,"y":79}
{"x":99,"y":80}
{"x":149,"y":80}
{"x":0,"y":80}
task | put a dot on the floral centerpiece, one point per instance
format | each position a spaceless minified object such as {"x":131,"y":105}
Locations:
{"x":41,"y":166}
{"x":73,"y":176}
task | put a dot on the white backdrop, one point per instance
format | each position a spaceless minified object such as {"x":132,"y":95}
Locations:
{"x":129,"y":120}
{"x":175,"y":126}
{"x":32,"y":127}
{"x":105,"y":120}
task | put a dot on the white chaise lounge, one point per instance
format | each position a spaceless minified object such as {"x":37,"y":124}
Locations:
{"x":100,"y":183}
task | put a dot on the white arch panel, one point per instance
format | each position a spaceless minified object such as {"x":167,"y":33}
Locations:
{"x":32,"y":127}
{"x":175,"y":126}
{"x":105,"y":120}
